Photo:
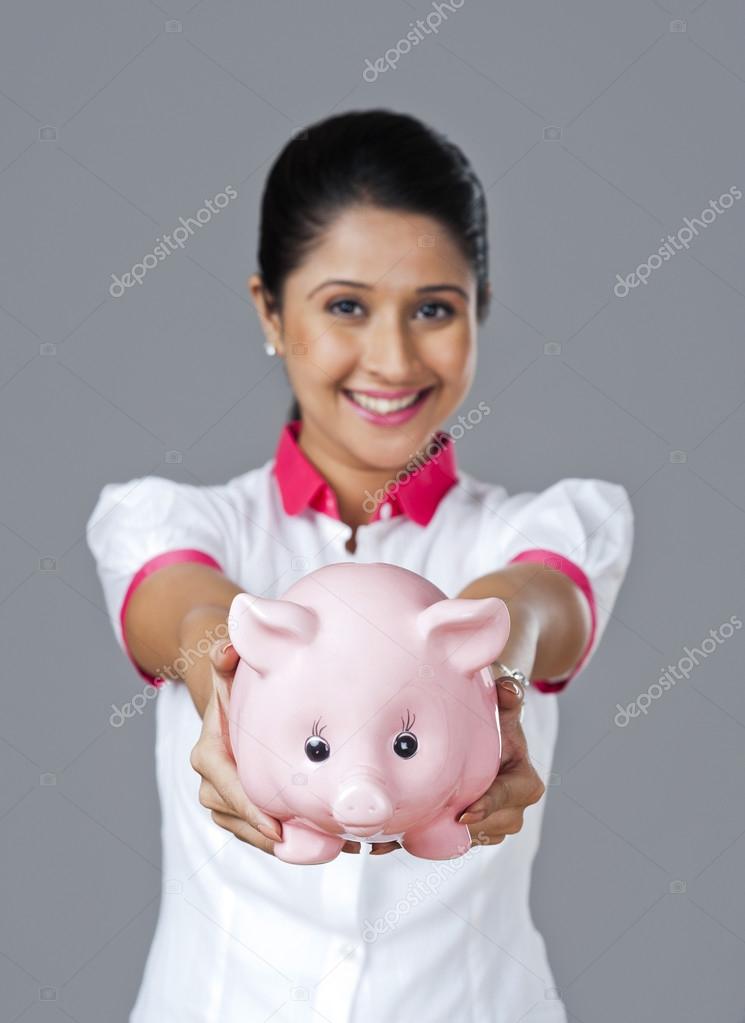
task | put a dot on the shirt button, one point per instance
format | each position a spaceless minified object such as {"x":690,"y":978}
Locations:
{"x":386,"y":511}
{"x":348,"y":950}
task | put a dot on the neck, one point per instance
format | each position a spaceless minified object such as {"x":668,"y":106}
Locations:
{"x":353,"y":484}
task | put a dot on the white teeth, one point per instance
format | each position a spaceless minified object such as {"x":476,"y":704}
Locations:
{"x":383,"y":405}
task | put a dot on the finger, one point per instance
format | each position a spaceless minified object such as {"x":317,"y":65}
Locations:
{"x":380,"y":848}
{"x":493,"y":839}
{"x":511,"y":707}
{"x":221,"y":688}
{"x":503,"y":822}
{"x":222,"y":680}
{"x":228,"y":785}
{"x":518,"y":786}
{"x":210,"y":759}
{"x":224,"y":656}
{"x":510,"y":697}
{"x":486,"y":835}
{"x":214,"y":740}
{"x":211,"y":799}
{"x":243,"y":831}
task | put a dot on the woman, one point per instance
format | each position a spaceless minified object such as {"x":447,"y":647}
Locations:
{"x":372,"y":280}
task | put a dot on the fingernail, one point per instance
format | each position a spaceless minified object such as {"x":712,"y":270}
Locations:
{"x":471,"y":816}
{"x":269,"y":832}
{"x":511,"y":686}
{"x":225,"y":647}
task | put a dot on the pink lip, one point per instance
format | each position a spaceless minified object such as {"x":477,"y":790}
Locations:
{"x":391,"y":418}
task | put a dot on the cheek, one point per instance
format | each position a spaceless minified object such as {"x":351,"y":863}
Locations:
{"x":319,"y":359}
{"x":451,"y":357}
{"x":334,"y":354}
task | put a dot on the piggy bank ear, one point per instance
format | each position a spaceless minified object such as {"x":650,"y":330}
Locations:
{"x":264,"y":632}
{"x":469,"y":633}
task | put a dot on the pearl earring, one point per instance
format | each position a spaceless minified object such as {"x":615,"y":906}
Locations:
{"x":269,"y":348}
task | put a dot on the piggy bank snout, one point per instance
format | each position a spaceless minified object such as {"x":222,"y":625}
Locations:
{"x":362,"y":801}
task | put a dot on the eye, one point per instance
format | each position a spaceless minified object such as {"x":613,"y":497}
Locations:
{"x":405,"y":745}
{"x":429,"y":306}
{"x":341,"y":307}
{"x":316,"y":747}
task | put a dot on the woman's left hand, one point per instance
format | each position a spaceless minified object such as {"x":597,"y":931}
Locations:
{"x":499,"y":812}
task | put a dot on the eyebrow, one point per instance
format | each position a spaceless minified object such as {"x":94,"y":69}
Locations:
{"x":369,"y":287}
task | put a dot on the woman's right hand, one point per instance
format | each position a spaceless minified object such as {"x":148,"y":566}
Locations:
{"x":221,"y":791}
{"x":212,"y":758}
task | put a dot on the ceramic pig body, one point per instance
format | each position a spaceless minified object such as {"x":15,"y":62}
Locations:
{"x":363,"y":708}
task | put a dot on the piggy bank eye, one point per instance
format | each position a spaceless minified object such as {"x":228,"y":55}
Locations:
{"x":405,"y":745}
{"x":317,"y":748}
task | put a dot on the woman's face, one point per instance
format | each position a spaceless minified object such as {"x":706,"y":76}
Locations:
{"x":378,"y":333}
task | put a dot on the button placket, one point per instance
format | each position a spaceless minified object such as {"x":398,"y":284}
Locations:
{"x":335,"y":536}
{"x":335,"y":992}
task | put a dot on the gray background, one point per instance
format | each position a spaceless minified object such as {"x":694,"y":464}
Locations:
{"x":639,"y":882}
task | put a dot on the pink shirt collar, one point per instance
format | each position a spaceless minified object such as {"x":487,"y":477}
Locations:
{"x":301,"y":485}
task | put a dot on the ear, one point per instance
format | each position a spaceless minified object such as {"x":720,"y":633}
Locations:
{"x":264,"y":632}
{"x":266,"y":310}
{"x":470,"y":633}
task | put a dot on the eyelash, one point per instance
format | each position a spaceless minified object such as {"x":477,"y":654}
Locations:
{"x":409,"y":723}
{"x":443,"y":305}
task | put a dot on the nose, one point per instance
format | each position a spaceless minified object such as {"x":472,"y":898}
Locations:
{"x":361,"y":801}
{"x":390,"y":352}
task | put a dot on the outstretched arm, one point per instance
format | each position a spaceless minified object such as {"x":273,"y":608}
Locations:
{"x":550,"y":629}
{"x":550,"y":618}
{"x":171,"y":614}
{"x":169,"y":627}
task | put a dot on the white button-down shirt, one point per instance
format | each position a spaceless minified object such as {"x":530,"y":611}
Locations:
{"x":243,"y":937}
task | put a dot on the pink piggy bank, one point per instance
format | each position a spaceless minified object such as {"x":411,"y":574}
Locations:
{"x":363,"y":708}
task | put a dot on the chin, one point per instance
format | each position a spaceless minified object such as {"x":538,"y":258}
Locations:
{"x":390,"y":454}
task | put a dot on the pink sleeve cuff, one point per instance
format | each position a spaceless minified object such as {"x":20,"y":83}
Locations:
{"x":159,"y":561}
{"x":558,"y":562}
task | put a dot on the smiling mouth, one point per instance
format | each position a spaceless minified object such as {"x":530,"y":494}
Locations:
{"x":386,"y":406}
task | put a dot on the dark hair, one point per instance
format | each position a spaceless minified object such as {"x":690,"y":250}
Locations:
{"x":375,"y":157}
